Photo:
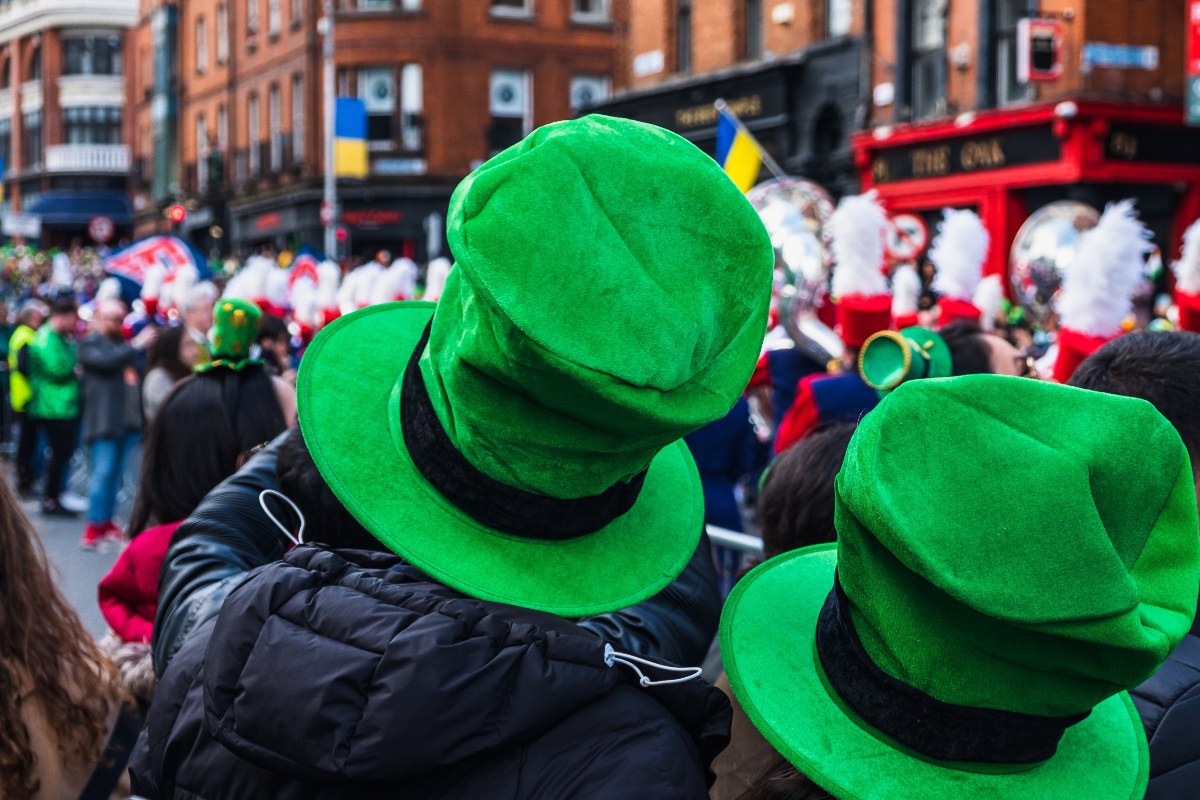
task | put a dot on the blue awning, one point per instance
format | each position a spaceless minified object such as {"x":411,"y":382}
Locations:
{"x":65,"y":207}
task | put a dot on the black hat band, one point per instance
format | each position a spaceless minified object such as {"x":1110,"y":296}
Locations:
{"x":937,"y":730}
{"x":489,"y":502}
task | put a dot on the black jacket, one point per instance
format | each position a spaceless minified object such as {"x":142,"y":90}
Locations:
{"x":111,"y":408}
{"x":1169,"y":704}
{"x":339,"y":674}
{"x":228,"y":535}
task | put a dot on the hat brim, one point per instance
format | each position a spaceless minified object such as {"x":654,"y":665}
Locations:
{"x":767,"y":634}
{"x":346,"y":399}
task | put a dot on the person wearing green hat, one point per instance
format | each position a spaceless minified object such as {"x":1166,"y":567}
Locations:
{"x":975,"y":629}
{"x":516,"y":451}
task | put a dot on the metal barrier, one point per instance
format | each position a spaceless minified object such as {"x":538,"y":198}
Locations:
{"x":742,"y":542}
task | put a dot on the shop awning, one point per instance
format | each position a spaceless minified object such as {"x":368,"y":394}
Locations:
{"x":79,"y":208}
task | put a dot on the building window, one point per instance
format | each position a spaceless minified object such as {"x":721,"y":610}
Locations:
{"x":222,"y":129}
{"x":511,"y":105}
{"x":412,"y":108}
{"x":252,"y":134}
{"x":297,"y":118}
{"x":588,"y":90}
{"x":274,"y":17}
{"x":5,"y":145}
{"x":252,"y":16}
{"x":377,"y":88}
{"x":683,"y":36}
{"x":590,"y":10}
{"x":929,"y":58}
{"x":222,"y":33}
{"x":6,"y":72}
{"x":838,"y":16}
{"x":201,"y":154}
{"x":31,"y":139}
{"x":297,"y":12}
{"x":752,"y":41}
{"x":98,"y":54}
{"x":274,"y":133}
{"x":92,"y":125}
{"x":201,"y":46}
{"x":512,"y":8}
{"x":375,"y":5}
{"x":35,"y":66}
{"x":1008,"y":89}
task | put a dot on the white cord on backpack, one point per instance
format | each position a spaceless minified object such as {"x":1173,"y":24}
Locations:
{"x":612,"y":657}
{"x":297,"y":539}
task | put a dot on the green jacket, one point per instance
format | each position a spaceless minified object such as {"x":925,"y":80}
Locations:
{"x":19,"y":392}
{"x":52,"y":376}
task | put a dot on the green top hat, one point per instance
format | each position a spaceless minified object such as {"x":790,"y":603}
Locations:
{"x":889,"y":358}
{"x":974,"y":630}
{"x":235,"y":327}
{"x":520,"y":441}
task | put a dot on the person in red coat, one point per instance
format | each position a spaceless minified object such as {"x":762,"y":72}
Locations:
{"x":128,"y":594}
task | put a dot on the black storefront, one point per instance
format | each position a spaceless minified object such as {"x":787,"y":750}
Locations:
{"x":801,"y":108}
{"x":407,"y":220}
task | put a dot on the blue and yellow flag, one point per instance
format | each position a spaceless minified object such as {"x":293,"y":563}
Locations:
{"x":350,"y":139}
{"x":737,"y":152}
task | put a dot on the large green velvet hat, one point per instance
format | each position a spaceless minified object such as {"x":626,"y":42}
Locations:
{"x":889,"y":358}
{"x":1012,"y":556}
{"x":521,"y":441}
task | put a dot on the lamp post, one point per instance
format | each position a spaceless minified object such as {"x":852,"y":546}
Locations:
{"x":329,"y":213}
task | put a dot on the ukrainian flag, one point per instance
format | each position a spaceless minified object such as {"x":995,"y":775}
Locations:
{"x":737,"y":152}
{"x":350,"y":138}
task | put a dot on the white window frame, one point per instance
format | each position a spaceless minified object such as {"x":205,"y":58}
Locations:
{"x":201,"y":45}
{"x":587,"y":77}
{"x":839,"y":17}
{"x":201,"y":153}
{"x":412,"y":90}
{"x":252,"y":134}
{"x":274,"y":17}
{"x":252,"y":16}
{"x":525,"y":11}
{"x":222,"y":33}
{"x":601,"y":12}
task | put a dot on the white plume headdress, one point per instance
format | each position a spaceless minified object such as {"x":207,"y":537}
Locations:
{"x":857,"y":227}
{"x":906,"y":291}
{"x":958,"y":252}
{"x":1098,"y":288}
{"x":1187,"y":268}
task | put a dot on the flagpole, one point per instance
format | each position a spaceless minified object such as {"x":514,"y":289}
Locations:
{"x":329,"y":209}
{"x":723,"y":108}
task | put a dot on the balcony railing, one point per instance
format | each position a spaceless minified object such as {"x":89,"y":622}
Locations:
{"x":95,"y":158}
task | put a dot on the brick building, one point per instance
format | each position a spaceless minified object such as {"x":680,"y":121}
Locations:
{"x":932,"y":89}
{"x":444,"y":84}
{"x":63,"y":131}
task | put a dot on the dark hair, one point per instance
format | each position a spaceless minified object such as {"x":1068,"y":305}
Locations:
{"x":796,"y":506}
{"x":270,"y":328}
{"x":164,"y":352}
{"x":1160,"y":368}
{"x":326,"y":519}
{"x":206,"y":426}
{"x":784,"y":782}
{"x":969,"y":353}
{"x":64,"y":305}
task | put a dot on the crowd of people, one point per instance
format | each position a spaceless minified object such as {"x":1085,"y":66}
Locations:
{"x":458,"y":549}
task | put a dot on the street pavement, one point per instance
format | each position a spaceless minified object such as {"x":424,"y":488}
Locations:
{"x":76,"y":571}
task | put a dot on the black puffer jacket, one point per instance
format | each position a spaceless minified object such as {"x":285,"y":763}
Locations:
{"x":228,"y":535}
{"x":338,"y":674}
{"x":1169,"y":704}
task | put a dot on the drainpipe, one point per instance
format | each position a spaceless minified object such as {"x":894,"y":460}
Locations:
{"x":985,"y":62}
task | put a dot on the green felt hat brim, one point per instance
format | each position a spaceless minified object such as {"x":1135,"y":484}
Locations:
{"x":346,"y":396}
{"x":767,"y":634}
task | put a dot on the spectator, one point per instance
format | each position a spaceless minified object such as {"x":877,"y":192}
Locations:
{"x":172,"y":358}
{"x":275,"y":344}
{"x":61,"y":694}
{"x":974,"y":630}
{"x":55,"y":402}
{"x":1164,"y":370}
{"x":196,"y":312}
{"x":112,"y":413}
{"x":29,"y":319}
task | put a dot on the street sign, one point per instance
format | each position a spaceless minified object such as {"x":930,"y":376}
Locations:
{"x":907,"y":237}
{"x":101,"y":229}
{"x":18,"y":223}
{"x":1039,"y":50}
{"x":1119,"y":56}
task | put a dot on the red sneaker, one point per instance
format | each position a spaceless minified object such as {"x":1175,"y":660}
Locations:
{"x":93,"y":534}
{"x":113,"y":535}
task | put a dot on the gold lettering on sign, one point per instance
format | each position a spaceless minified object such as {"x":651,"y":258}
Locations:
{"x":982,"y":154}
{"x":701,"y":116}
{"x":1123,"y":145}
{"x":929,"y":162}
{"x":881,"y":171}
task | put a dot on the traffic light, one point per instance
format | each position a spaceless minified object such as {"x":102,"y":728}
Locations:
{"x":341,"y":233}
{"x":176,"y":213}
